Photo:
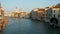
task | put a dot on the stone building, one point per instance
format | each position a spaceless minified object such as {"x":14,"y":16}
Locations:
{"x":52,"y":11}
{"x":1,"y":14}
{"x":1,"y":11}
{"x":16,"y":13}
{"x":37,"y":14}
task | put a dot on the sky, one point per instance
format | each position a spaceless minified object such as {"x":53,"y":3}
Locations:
{"x":26,"y":5}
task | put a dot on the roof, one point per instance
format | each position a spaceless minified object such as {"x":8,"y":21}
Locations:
{"x":41,"y":9}
{"x":57,"y":5}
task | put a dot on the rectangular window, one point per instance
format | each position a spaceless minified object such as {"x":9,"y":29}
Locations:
{"x":58,"y":16}
{"x":46,"y":11}
{"x":59,"y":11}
{"x":43,"y":14}
{"x":46,"y":14}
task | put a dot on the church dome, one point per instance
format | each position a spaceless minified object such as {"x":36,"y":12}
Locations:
{"x":17,"y":10}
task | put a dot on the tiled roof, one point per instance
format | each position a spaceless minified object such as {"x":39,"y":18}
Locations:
{"x":41,"y":9}
{"x":57,"y":6}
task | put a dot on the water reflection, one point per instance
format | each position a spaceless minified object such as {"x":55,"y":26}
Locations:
{"x":2,"y":32}
{"x":27,"y":26}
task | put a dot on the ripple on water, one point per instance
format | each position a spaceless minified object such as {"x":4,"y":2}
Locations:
{"x":27,"y":26}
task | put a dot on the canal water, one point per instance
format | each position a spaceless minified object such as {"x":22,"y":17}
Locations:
{"x":27,"y":26}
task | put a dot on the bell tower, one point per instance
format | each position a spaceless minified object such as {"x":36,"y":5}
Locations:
{"x":1,"y":11}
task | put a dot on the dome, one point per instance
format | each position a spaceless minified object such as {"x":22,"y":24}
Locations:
{"x":17,"y":10}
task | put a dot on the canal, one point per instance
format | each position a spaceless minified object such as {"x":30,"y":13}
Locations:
{"x":27,"y":26}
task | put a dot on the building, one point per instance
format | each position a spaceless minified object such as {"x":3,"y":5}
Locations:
{"x":23,"y":15}
{"x":40,"y":13}
{"x":3,"y":20}
{"x":52,"y":11}
{"x":16,"y":13}
{"x":56,"y":11}
{"x":48,"y":13}
{"x":33,"y":13}
{"x":8,"y":14}
{"x":1,"y":13}
{"x":37,"y":14}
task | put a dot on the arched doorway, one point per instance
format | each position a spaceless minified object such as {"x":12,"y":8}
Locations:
{"x":54,"y":21}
